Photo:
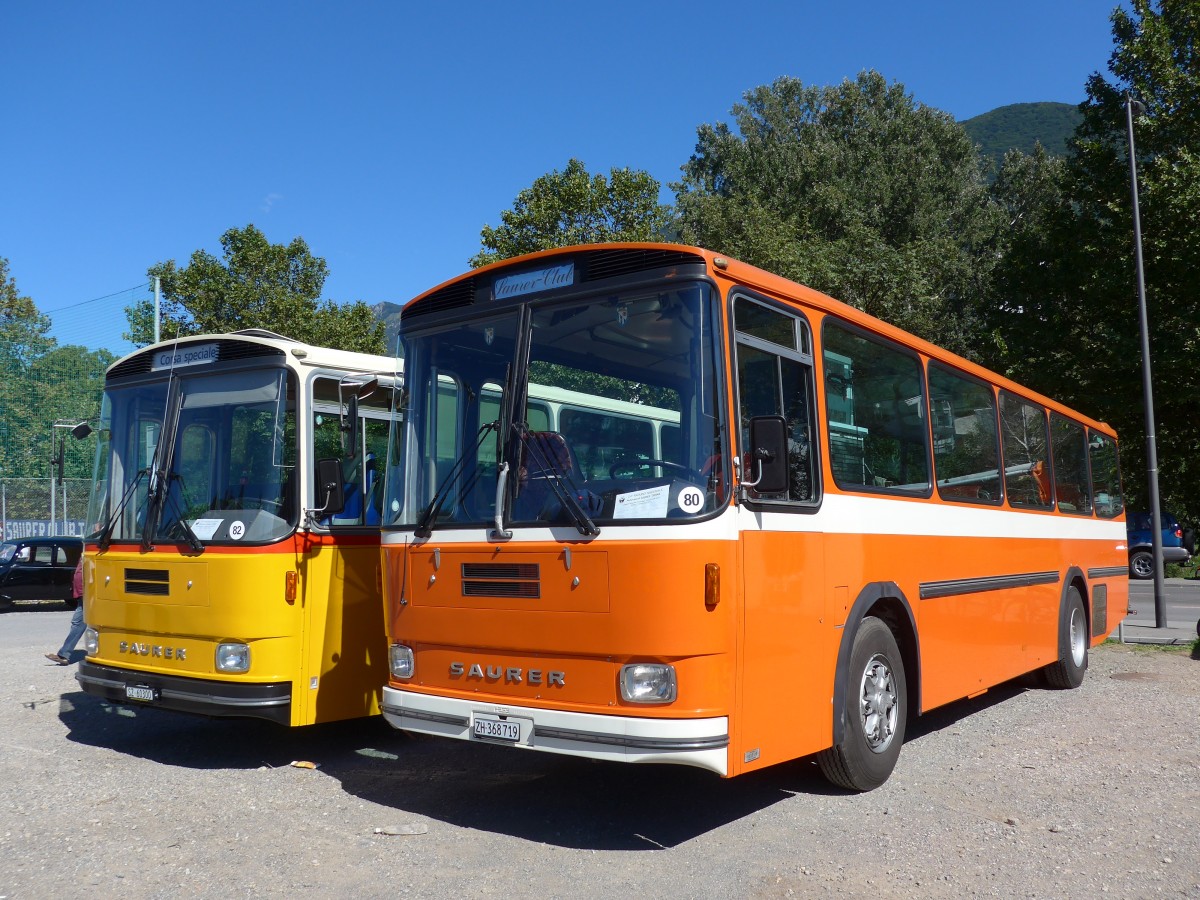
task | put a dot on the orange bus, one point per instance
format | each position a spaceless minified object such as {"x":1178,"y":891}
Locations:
{"x":819,"y":527}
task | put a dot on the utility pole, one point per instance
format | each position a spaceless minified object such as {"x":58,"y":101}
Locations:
{"x":1160,"y":590}
{"x":157,"y":307}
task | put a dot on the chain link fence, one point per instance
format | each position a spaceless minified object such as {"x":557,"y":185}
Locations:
{"x":30,"y":507}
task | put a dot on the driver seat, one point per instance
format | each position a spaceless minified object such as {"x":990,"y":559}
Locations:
{"x":545,"y":457}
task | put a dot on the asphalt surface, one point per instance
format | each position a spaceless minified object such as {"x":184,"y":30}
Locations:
{"x":1182,"y":608}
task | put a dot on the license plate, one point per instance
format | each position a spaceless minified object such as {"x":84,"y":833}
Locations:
{"x":138,"y":692}
{"x":490,"y":729}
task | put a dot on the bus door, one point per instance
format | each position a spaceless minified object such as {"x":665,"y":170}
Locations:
{"x":786,"y":648}
{"x":344,"y":645}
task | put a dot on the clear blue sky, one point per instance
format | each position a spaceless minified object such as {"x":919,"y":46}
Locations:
{"x":386,"y":134}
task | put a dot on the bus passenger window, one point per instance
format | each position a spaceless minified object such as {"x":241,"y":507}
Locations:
{"x":966,"y":449}
{"x":1106,"y":475}
{"x":875,"y":406}
{"x":1026,"y":453}
{"x":1070,"y":465}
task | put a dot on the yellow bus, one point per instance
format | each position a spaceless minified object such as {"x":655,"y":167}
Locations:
{"x":838,"y":526}
{"x":232,"y":564}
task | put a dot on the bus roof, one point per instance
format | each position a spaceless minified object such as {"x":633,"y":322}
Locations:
{"x":302,"y":353}
{"x":726,"y":268}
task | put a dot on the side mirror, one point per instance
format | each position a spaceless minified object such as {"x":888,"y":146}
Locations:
{"x":768,"y":455}
{"x":331,"y":495}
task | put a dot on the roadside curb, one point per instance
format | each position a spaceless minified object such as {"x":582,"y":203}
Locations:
{"x":1131,"y":633}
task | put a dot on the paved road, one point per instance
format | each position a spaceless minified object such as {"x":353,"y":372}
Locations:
{"x":1182,"y":603}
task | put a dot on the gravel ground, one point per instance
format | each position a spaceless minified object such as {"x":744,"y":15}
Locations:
{"x":1021,"y":792}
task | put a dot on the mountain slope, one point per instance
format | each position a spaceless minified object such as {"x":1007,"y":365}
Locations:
{"x":1020,"y":125}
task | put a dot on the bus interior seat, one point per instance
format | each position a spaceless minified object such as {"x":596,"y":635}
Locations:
{"x":545,"y":456}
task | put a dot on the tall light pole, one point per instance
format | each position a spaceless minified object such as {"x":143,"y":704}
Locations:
{"x":1160,"y":600}
{"x":57,"y":464}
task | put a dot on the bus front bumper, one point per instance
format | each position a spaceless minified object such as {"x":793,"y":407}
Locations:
{"x":272,"y":702}
{"x":702,"y":743}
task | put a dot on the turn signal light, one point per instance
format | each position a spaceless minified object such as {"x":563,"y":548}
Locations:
{"x":712,"y":586}
{"x":289,"y":587}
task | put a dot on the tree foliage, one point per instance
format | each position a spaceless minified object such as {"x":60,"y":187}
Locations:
{"x":1067,"y":322}
{"x":41,"y":383}
{"x":256,"y":284}
{"x":573,"y":207}
{"x":854,"y":189}
{"x":24,"y":331}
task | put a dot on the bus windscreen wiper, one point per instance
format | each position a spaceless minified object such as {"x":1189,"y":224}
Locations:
{"x":425,"y":524}
{"x":106,"y":530}
{"x":565,"y":494}
{"x":189,"y":536}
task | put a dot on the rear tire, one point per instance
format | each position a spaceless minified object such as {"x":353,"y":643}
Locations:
{"x":1073,"y":639}
{"x":1141,"y":564}
{"x":875,"y":713}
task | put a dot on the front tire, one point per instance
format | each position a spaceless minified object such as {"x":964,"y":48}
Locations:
{"x":875,"y":713}
{"x":1073,"y":639}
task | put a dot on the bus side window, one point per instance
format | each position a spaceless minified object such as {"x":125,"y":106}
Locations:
{"x":1070,"y":465}
{"x":1026,"y":453}
{"x":1106,"y":475}
{"x":875,"y":406}
{"x":966,"y":449}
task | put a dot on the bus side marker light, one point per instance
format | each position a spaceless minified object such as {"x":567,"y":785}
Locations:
{"x":233,"y":657}
{"x":712,"y":586}
{"x":289,"y":587}
{"x":648,"y":683}
{"x":400,"y":658}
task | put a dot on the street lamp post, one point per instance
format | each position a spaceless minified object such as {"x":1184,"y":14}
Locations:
{"x":1160,"y":601}
{"x":57,"y":463}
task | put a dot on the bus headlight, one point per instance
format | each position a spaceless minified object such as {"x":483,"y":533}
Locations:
{"x":648,"y":683}
{"x":401,"y":659}
{"x":233,"y":657}
{"x":91,"y":641}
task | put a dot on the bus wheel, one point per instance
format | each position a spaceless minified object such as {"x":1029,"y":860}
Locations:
{"x":875,"y":714}
{"x":1068,"y":670}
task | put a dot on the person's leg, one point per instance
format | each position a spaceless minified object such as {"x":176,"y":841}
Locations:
{"x":76,"y":632}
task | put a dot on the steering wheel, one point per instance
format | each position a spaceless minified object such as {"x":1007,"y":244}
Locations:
{"x":632,"y":463}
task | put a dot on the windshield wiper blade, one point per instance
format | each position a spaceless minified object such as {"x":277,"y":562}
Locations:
{"x":425,"y":524}
{"x":564,"y":493}
{"x":111,"y":522}
{"x":190,"y":536}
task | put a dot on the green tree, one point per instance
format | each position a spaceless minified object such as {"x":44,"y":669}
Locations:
{"x":1068,"y":321}
{"x":40,"y":383}
{"x":854,"y":189}
{"x":256,"y":284}
{"x":24,"y":332}
{"x":572,"y":207}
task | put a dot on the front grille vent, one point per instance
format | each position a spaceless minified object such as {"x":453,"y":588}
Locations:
{"x":453,"y":296}
{"x":149,"y":582}
{"x":626,"y":261}
{"x":502,"y":580}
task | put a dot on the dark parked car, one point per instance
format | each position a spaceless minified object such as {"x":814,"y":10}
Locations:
{"x":1178,"y":544}
{"x":38,"y":568}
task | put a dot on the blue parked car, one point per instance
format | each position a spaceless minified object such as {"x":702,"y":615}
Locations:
{"x":1178,"y":544}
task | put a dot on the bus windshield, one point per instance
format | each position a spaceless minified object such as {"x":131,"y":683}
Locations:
{"x":609,"y":416}
{"x":223,"y":472}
